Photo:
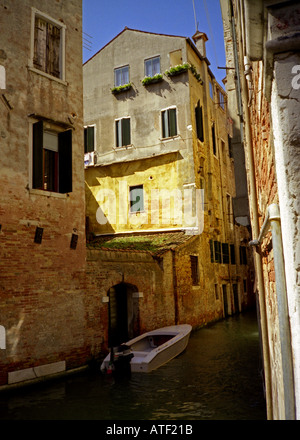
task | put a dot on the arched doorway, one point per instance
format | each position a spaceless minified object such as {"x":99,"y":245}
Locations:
{"x":123,"y":313}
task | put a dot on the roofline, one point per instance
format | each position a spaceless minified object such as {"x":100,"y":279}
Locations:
{"x":134,"y":30}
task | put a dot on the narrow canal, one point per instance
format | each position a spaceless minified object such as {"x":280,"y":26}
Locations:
{"x":218,"y":377}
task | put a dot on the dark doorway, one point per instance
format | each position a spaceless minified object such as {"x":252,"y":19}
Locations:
{"x":225,"y":301}
{"x":236,"y":298}
{"x":123,"y":313}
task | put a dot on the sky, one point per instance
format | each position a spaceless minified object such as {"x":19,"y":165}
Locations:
{"x":104,"y":19}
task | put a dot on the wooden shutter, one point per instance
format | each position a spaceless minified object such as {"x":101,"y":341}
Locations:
{"x":40,"y":45}
{"x":37,"y":156}
{"x":53,"y":50}
{"x":65,"y":161}
{"x":126,"y":131}
{"x":172,"y":122}
{"x":225,"y":253}
{"x":199,"y":122}
{"x":164,"y":122}
{"x":214,"y":139}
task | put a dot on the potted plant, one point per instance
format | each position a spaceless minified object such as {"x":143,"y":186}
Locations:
{"x":120,"y":89}
{"x":152,"y":79}
{"x":177,"y":70}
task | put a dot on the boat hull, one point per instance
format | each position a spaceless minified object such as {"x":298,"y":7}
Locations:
{"x":154,"y":349}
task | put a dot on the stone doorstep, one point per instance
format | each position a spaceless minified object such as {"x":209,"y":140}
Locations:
{"x":36,"y":372}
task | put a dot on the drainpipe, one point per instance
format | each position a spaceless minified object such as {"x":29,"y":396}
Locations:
{"x":273,"y":220}
{"x":255,"y":222}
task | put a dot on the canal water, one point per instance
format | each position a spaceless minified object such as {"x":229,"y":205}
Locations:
{"x":218,"y":377}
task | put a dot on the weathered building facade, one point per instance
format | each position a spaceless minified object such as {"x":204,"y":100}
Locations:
{"x":156,"y":134}
{"x":42,"y":233}
{"x":262,"y":51}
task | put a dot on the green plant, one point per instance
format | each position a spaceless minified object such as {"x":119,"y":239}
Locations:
{"x":178,"y":69}
{"x":121,"y":88}
{"x":152,"y":79}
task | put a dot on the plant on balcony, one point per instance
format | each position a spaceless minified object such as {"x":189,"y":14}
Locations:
{"x":152,"y":79}
{"x":196,"y":75}
{"x":120,"y":89}
{"x":176,"y":70}
{"x":180,"y":68}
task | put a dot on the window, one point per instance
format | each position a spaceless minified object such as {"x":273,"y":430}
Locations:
{"x":199,"y":122}
{"x":175,"y":58}
{"x":152,"y":66}
{"x":48,"y":45}
{"x":194,"y":270}
{"x":232,"y":254}
{"x":230,"y":147}
{"x":89,"y":139}
{"x":229,"y":208}
{"x":123,"y":132}
{"x":169,"y":123}
{"x":136,"y":197}
{"x":221,"y":99}
{"x":243,"y":255}
{"x":52,"y":159}
{"x":218,"y":253}
{"x":211,"y":90}
{"x":213,"y":133}
{"x":225,"y":253}
{"x":121,"y":76}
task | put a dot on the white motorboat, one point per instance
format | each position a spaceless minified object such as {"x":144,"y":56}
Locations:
{"x":151,"y":350}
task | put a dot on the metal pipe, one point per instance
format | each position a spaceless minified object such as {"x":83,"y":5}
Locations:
{"x":273,"y":220}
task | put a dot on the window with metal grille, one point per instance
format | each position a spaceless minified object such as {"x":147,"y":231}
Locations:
{"x":194,"y":270}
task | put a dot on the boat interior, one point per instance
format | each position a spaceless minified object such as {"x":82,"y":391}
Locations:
{"x":149,"y":342}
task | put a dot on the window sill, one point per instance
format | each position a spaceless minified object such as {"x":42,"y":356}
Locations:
{"x":170,"y":138}
{"x":124,"y":147}
{"x":46,"y":75}
{"x":39,"y":192}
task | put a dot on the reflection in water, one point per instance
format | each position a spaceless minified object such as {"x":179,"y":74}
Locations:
{"x":216,"y":378}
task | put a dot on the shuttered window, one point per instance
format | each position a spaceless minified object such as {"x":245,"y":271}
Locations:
{"x":199,"y":122}
{"x":123,"y":137}
{"x":232,"y":254}
{"x":194,"y":270}
{"x":225,"y":253}
{"x":169,"y":123}
{"x":213,"y":133}
{"x":89,"y":139}
{"x":47,"y":47}
{"x":52,"y":159}
{"x":218,"y":252}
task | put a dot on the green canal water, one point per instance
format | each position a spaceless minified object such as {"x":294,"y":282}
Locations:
{"x":218,"y":377}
